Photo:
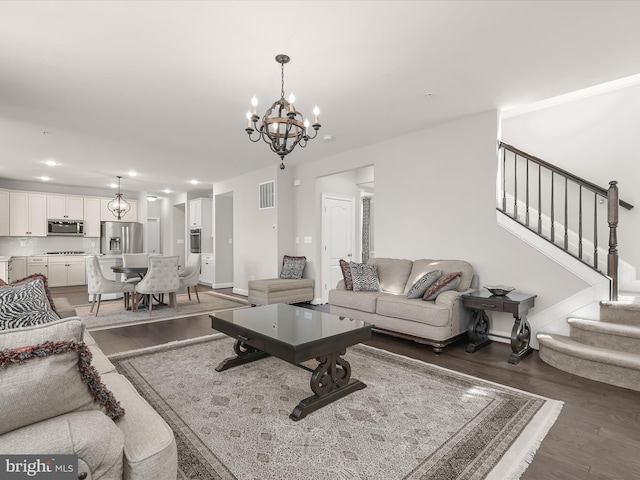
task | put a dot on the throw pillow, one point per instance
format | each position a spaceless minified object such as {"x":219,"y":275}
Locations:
{"x":52,"y":378}
{"x":450,"y":281}
{"x":25,"y":304}
{"x":420,"y":286}
{"x":365,"y":277}
{"x":346,"y":274}
{"x":292,"y":267}
{"x":46,"y":286}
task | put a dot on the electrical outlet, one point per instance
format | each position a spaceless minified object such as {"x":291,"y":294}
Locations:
{"x":307,"y":239}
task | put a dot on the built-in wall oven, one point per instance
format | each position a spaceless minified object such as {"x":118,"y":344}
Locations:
{"x":195,"y":240}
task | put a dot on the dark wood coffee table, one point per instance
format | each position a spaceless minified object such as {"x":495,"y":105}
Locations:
{"x":296,"y":334}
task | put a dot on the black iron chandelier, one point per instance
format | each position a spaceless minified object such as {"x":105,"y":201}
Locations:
{"x":282,"y":127}
{"x":119,"y":206}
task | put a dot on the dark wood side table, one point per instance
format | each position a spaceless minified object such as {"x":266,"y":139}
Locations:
{"x":515,"y":303}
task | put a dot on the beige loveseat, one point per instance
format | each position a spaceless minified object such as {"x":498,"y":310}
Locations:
{"x":436,"y":323}
{"x":47,"y":409}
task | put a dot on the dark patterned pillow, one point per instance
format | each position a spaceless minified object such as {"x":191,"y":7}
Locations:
{"x":292,"y":267}
{"x":346,"y":274}
{"x":450,"y":281}
{"x":420,"y":286}
{"x":365,"y":277}
{"x":25,"y":304}
{"x":46,"y":286}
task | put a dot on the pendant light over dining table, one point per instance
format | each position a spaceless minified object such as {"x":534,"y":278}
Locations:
{"x":119,"y":206}
{"x":282,"y":127}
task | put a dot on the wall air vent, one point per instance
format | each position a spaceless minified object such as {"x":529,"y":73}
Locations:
{"x":267,"y":192}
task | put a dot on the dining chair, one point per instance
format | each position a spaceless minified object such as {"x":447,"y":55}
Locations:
{"x":134,"y":260}
{"x":97,"y":284}
{"x":162,"y":277}
{"x":190,"y":276}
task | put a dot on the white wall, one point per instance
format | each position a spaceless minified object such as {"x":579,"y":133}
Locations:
{"x":594,"y":138}
{"x":435,"y":198}
{"x":255,"y":252}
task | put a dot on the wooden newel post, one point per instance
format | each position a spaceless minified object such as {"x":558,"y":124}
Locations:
{"x":612,"y":218}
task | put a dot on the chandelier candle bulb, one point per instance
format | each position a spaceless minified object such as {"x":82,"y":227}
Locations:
{"x":254,"y":103}
{"x":316,"y":112}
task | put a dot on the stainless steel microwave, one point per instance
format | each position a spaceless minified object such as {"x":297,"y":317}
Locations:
{"x":65,"y":227}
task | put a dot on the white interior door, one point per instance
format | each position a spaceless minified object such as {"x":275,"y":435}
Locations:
{"x":338,"y":238}
{"x":153,"y":235}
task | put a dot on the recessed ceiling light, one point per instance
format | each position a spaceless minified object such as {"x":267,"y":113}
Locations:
{"x":193,"y":182}
{"x":113,"y":185}
{"x":51,"y":163}
{"x":133,"y":174}
{"x":328,"y":138}
{"x":44,"y":178}
{"x":151,"y":198}
{"x":428,"y":94}
{"x":166,"y":190}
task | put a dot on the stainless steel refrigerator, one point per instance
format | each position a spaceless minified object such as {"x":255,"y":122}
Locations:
{"x":117,"y":238}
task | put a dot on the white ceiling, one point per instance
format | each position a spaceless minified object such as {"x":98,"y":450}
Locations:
{"x":162,"y":87}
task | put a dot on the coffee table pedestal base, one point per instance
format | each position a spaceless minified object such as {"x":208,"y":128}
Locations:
{"x":244,"y":354}
{"x":314,"y":402}
{"x":330,"y":381}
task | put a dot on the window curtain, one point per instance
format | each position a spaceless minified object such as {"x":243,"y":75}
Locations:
{"x":366,"y":228}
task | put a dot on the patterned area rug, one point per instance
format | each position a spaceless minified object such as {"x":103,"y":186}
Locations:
{"x":413,"y":421}
{"x":112,"y":312}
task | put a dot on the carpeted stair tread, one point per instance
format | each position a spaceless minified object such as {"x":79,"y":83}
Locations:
{"x":605,"y":365}
{"x":606,"y":327}
{"x":627,"y":313}
{"x":570,"y":347}
{"x":614,"y":336}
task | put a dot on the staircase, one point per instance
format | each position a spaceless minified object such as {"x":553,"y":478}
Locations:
{"x":546,"y":200}
{"x":607,"y":350}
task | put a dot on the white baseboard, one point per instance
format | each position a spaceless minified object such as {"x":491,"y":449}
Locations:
{"x":222,"y":285}
{"x":241,"y":291}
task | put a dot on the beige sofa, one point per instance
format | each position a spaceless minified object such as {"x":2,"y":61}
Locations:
{"x":436,"y":323}
{"x":47,"y":409}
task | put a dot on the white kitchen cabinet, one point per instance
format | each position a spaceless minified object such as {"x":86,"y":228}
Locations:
{"x":27,"y":214}
{"x":37,"y":264}
{"x":200,"y":213}
{"x":4,"y":269}
{"x":107,"y":216}
{"x":62,"y":207}
{"x":91,"y":217}
{"x":17,"y":268}
{"x":66,"y":270}
{"x":4,"y":213}
{"x":206,"y":270}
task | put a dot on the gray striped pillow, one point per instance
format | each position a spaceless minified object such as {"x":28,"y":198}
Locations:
{"x":420,"y":286}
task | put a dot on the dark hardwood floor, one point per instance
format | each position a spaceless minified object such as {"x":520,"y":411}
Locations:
{"x":596,"y":436}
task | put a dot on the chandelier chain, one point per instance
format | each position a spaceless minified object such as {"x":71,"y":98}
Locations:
{"x":282,"y":81}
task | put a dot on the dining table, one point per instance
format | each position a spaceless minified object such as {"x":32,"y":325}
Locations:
{"x":141,"y":271}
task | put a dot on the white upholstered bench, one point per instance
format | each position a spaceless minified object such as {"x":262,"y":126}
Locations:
{"x":280,"y":290}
